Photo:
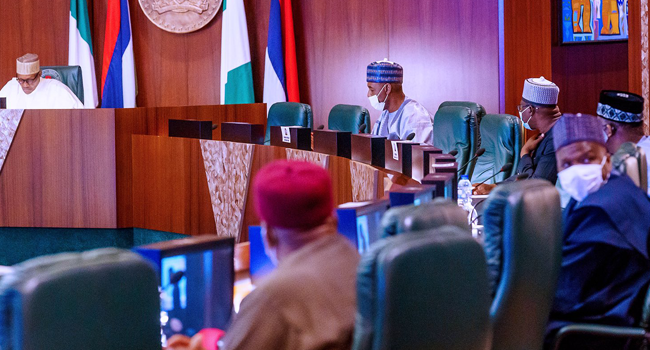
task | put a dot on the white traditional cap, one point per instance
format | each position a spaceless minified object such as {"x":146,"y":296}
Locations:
{"x":540,"y":91}
{"x":28,"y":64}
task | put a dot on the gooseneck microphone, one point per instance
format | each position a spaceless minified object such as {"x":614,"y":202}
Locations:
{"x":504,"y":168}
{"x":453,"y":153}
{"x":410,"y":137}
{"x":479,"y":153}
{"x":362,"y":128}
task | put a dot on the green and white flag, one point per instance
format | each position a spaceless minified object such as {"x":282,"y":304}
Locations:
{"x":236,"y":70}
{"x":80,"y":50}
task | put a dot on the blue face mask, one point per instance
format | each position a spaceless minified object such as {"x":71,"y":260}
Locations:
{"x":521,"y":116}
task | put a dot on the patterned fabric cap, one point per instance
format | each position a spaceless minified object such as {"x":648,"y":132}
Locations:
{"x":540,"y":91}
{"x":27,"y":64}
{"x":572,"y":128}
{"x":620,"y":106}
{"x":385,"y":72}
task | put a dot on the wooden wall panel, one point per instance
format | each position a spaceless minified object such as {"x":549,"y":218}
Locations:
{"x":581,"y":71}
{"x":449,"y":50}
{"x":527,"y":46}
{"x":154,"y":121}
{"x":634,"y":46}
{"x":61,"y":171}
{"x":336,"y":40}
{"x":172,"y":190}
{"x":33,"y":26}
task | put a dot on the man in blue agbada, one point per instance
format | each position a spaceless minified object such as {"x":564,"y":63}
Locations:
{"x":400,"y":115}
{"x":605,"y":265}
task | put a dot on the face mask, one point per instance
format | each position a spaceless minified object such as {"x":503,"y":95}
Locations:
{"x":582,"y":180}
{"x":605,"y":135}
{"x":521,"y":116}
{"x":374,"y":100}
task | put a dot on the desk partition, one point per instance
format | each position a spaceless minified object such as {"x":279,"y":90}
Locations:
{"x":117,"y":168}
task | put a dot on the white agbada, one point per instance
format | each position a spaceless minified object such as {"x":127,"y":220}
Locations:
{"x":645,"y":144}
{"x":411,"y":117}
{"x":49,"y":94}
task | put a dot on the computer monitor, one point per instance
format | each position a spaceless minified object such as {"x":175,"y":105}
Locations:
{"x":360,"y":222}
{"x":260,"y":265}
{"x":196,"y":282}
{"x":445,"y":184}
{"x":405,"y":195}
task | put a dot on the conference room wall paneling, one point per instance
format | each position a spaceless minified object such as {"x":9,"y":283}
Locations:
{"x":61,"y":171}
{"x":449,"y":49}
{"x":527,"y":46}
{"x":581,"y":71}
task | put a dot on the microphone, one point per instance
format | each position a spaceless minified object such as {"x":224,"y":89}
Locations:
{"x":410,"y":137}
{"x":320,"y":127}
{"x":453,"y":153}
{"x":504,"y":168}
{"x":214,"y":126}
{"x":479,"y":153}
{"x":362,"y":128}
{"x":176,"y":277}
{"x":484,"y":171}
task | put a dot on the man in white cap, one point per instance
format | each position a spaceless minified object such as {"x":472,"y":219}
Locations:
{"x":400,"y":116}
{"x":29,"y":91}
{"x":538,"y":110}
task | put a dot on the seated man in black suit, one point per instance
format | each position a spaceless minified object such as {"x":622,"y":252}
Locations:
{"x":605,"y":264}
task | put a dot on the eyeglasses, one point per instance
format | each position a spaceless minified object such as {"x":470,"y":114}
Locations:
{"x":521,"y":108}
{"x":28,"y":81}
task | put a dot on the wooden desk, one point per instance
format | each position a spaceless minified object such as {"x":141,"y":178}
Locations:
{"x":116,"y":168}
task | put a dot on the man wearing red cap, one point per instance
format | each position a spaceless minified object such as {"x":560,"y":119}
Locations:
{"x":309,"y":301}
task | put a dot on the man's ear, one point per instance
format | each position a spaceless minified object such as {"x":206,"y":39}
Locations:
{"x":607,"y":168}
{"x":268,"y":235}
{"x":389,"y":88}
{"x":609,"y":130}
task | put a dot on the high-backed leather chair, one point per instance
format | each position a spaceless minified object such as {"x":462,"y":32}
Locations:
{"x":523,"y":241}
{"x":68,"y":75}
{"x":288,"y":114}
{"x":477,"y":109}
{"x":501,"y":138}
{"x":631,"y":160}
{"x":349,"y":118}
{"x":601,"y":333}
{"x":104,"y":299}
{"x":456,"y":128}
{"x":427,"y":216}
{"x":423,"y":290}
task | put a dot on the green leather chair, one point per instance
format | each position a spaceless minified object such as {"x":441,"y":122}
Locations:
{"x":523,"y":243}
{"x":424,"y":290}
{"x":288,"y":114}
{"x":477,"y":109}
{"x":599,"y":332}
{"x":427,"y":216}
{"x":631,"y":160}
{"x":502,"y":140}
{"x":349,"y":118}
{"x":68,"y":75}
{"x":456,"y":128}
{"x":104,"y":299}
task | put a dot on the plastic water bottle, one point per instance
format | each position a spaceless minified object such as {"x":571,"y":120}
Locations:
{"x":464,"y":191}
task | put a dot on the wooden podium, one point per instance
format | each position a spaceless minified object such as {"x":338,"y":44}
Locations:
{"x":117,"y":168}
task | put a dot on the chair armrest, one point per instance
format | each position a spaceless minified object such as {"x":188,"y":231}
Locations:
{"x":599,"y":330}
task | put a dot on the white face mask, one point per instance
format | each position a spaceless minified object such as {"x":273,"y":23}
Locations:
{"x":582,"y":180}
{"x":374,"y":100}
{"x":521,"y":116}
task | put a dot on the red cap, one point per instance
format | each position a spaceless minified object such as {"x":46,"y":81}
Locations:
{"x":290,"y":194}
